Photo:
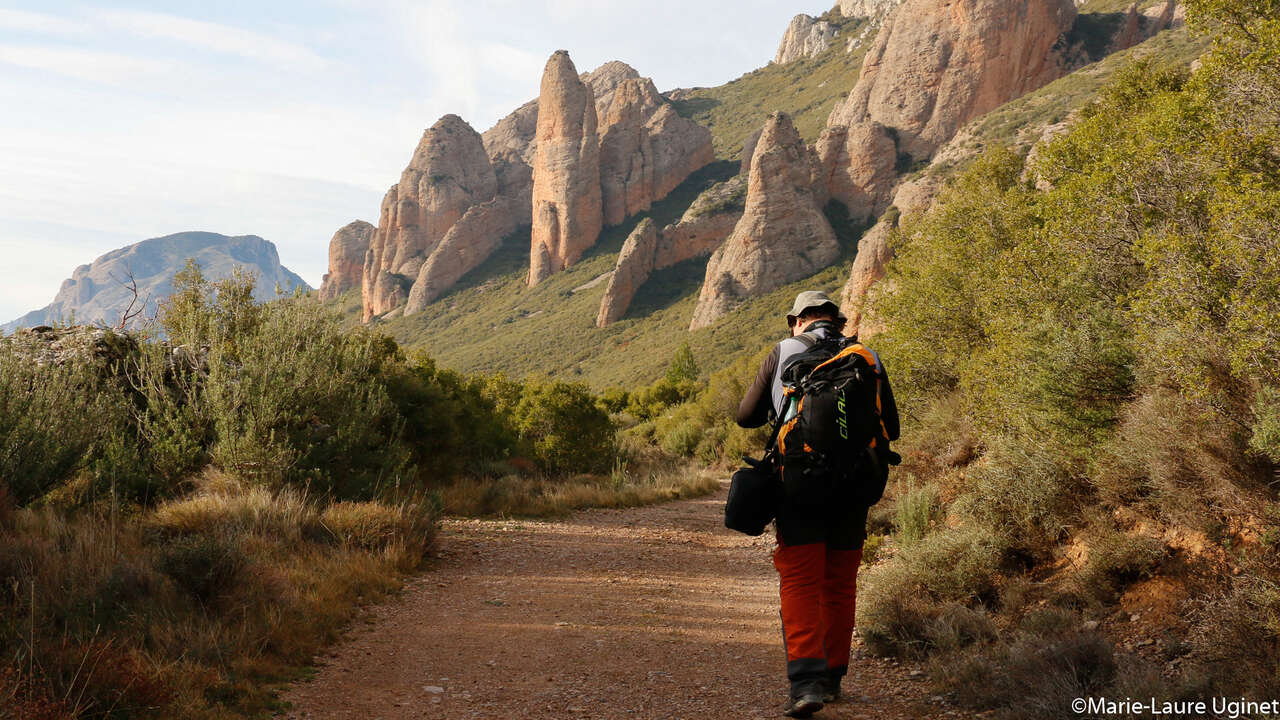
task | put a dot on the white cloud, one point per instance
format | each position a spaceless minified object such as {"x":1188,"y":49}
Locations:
{"x":217,"y":37}
{"x":95,"y":66}
{"x":22,"y":20}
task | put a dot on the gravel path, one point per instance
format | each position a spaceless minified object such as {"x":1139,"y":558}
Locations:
{"x":652,"y":612}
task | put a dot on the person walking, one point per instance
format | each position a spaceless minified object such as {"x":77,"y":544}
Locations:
{"x":820,"y":519}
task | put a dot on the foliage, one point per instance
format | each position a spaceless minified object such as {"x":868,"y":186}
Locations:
{"x":683,"y":367}
{"x":192,"y":608}
{"x":1099,"y":325}
{"x":564,"y":429}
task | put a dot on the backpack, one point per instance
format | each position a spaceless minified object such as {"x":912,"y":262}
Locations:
{"x":832,"y":422}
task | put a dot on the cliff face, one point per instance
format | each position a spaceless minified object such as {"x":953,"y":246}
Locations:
{"x":95,"y":293}
{"x":701,"y":229}
{"x":646,"y":149}
{"x":934,"y":66}
{"x":866,"y":8}
{"x":346,"y":259}
{"x":567,"y":209}
{"x":448,"y":174}
{"x":782,"y":235}
{"x":806,"y":36}
{"x":857,"y":167}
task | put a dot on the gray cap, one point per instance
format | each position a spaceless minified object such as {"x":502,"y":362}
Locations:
{"x":810,"y":299}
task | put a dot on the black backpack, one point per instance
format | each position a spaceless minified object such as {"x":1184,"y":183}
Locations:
{"x":832,"y":419}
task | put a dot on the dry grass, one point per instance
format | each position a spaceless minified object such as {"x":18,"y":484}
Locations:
{"x":515,"y":495}
{"x":192,"y":609}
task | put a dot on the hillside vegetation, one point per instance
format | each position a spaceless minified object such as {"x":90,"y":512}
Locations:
{"x":184,"y":523}
{"x":1088,"y":504}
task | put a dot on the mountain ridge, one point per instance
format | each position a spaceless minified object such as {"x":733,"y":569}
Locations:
{"x":98,"y":292}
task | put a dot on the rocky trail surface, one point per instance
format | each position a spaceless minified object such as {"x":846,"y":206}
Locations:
{"x":652,"y":612}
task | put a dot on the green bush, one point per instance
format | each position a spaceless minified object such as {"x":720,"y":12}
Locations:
{"x":1030,"y":495}
{"x":565,"y":429}
{"x":915,"y":512}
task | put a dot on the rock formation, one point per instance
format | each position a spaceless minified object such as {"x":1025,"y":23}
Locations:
{"x":748,"y":150}
{"x":806,"y":36}
{"x":646,"y":149}
{"x":858,"y":167}
{"x":1141,"y":25}
{"x":782,"y":235}
{"x":867,"y":8}
{"x":701,"y":229}
{"x":869,"y":267}
{"x":635,"y":262}
{"x":97,"y":294}
{"x":510,"y":145}
{"x":874,"y":253}
{"x":567,"y":212}
{"x":471,"y":240}
{"x":512,"y":141}
{"x":346,"y":259}
{"x":448,"y":174}
{"x":934,"y":66}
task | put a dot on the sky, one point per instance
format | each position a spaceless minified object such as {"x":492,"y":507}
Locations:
{"x":287,"y":119}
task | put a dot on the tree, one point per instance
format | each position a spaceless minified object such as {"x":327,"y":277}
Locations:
{"x":683,"y":367}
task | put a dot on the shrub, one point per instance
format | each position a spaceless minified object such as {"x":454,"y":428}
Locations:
{"x":1029,"y":495}
{"x":205,"y":566}
{"x":1032,"y":677}
{"x":409,"y":527}
{"x":564,"y":428}
{"x":1116,"y":560}
{"x":53,"y":416}
{"x":901,"y":598}
{"x":915,"y":511}
{"x":1236,"y":637}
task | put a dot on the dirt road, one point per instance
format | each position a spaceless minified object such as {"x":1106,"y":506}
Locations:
{"x":654,"y":612}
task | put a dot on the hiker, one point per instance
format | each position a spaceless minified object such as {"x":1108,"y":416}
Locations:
{"x":821,"y":515}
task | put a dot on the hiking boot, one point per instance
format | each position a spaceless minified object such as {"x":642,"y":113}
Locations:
{"x":803,"y":706}
{"x":831,"y":688}
{"x":831,"y":691}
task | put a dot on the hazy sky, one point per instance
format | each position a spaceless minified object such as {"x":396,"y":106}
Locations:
{"x":287,"y":119}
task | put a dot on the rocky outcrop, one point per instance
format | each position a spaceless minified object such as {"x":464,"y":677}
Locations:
{"x":470,"y":241}
{"x":782,"y":235}
{"x":867,"y":8}
{"x":748,"y":150}
{"x":510,"y":145}
{"x":806,"y":36}
{"x":346,"y":259}
{"x":857,"y":165}
{"x":869,"y":267}
{"x":449,"y":173}
{"x":567,"y":212}
{"x":635,"y":262}
{"x":936,"y":65}
{"x":1140,"y":26}
{"x":98,"y":293}
{"x":701,"y":229}
{"x":874,"y":252}
{"x":646,"y":149}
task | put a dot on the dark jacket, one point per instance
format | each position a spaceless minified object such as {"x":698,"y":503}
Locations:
{"x":814,"y":507}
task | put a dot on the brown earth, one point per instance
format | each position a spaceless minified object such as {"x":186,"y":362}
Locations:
{"x":653,"y":612}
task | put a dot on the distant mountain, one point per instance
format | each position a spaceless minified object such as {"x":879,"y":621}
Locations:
{"x":96,"y":293}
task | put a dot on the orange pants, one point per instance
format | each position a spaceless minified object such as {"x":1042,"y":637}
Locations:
{"x":818,"y":587}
